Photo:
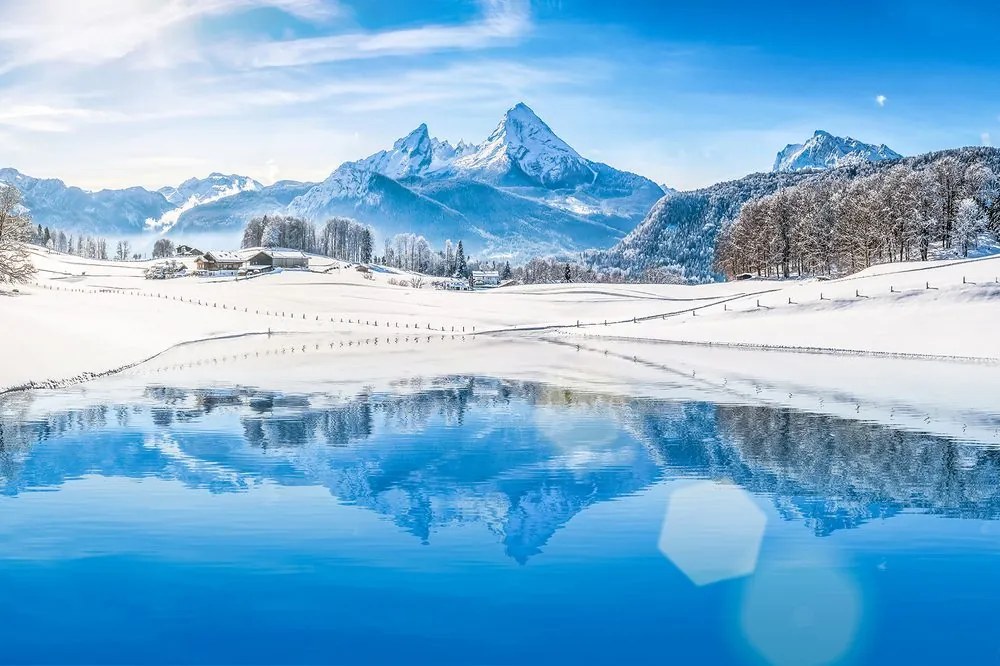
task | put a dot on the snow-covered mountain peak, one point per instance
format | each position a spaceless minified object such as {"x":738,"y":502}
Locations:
{"x":215,"y":186}
{"x":826,"y":151}
{"x":416,"y":154}
{"x":352,"y":180}
{"x":416,"y":142}
{"x":524,"y":148}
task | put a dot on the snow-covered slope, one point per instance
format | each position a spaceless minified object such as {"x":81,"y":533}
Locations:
{"x":195,"y":192}
{"x":231,"y":213}
{"x":825,"y":151}
{"x":216,"y":186}
{"x":357,"y":191}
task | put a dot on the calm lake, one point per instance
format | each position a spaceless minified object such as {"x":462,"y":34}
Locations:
{"x":473,"y":520}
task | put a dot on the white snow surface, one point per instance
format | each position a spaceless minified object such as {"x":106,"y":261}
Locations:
{"x":907,"y":345}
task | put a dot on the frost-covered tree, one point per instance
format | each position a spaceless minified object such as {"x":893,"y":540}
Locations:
{"x":948,"y":172}
{"x":15,"y":234}
{"x":253,"y":233}
{"x":273,"y":234}
{"x":843,"y":222}
{"x":986,"y":193}
{"x":969,"y":223}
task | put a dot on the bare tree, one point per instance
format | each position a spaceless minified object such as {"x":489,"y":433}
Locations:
{"x":163,"y":247}
{"x":15,"y":233}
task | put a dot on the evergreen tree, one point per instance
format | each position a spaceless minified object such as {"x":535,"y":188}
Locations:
{"x":461,"y":267}
{"x":366,"y":245}
{"x":568,"y":276}
{"x":507,"y":273}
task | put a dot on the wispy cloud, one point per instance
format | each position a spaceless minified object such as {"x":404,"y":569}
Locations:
{"x":501,"y":21}
{"x":45,"y":118}
{"x":881,"y":100}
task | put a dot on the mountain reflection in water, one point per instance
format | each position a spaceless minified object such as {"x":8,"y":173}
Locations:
{"x":520,"y":458}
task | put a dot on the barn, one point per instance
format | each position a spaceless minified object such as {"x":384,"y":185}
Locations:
{"x":277,"y":259}
{"x":486,"y":278}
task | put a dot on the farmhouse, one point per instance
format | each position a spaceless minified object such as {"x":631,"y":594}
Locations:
{"x":485,"y":278}
{"x":219,"y":260}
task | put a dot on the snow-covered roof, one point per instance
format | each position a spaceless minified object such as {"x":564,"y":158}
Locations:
{"x":284,"y":254}
{"x":485,"y":274}
{"x":224,"y":255}
{"x":275,"y":252}
{"x":249,"y":253}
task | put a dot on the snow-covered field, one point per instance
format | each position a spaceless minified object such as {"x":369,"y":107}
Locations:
{"x":86,"y":316}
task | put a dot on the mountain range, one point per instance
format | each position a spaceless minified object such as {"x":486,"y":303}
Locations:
{"x":825,"y":151}
{"x":521,"y":192}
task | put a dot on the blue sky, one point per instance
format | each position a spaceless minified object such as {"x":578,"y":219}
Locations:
{"x":150,"y":92}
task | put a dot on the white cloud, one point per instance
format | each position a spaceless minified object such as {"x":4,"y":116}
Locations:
{"x":986,"y":139}
{"x":881,"y":100}
{"x":99,"y":31}
{"x":501,"y":21}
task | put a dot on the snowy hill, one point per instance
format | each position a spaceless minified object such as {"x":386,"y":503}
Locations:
{"x":826,"y":151}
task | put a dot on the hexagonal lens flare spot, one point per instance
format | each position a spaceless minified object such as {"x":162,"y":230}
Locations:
{"x":712,"y":532}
